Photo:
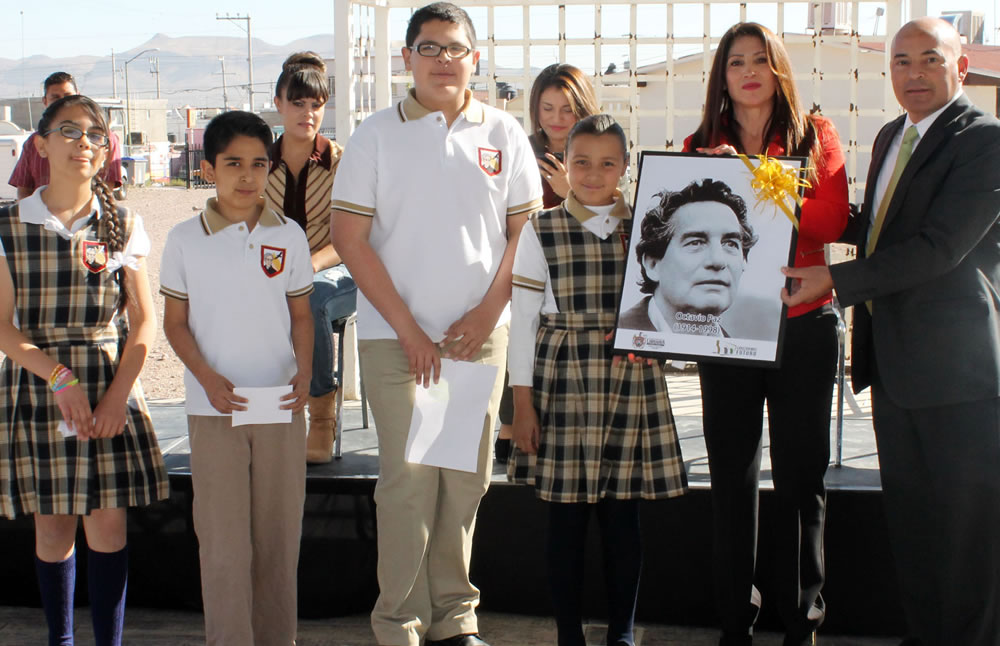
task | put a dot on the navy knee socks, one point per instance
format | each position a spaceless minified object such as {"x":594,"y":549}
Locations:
{"x":107,"y":578}
{"x":56,"y":582}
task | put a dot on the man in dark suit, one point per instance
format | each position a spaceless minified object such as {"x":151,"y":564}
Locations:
{"x":926,"y":290}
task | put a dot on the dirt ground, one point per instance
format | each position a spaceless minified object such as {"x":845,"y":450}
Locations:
{"x":161,"y":208}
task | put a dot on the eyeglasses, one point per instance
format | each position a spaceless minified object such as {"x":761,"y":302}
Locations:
{"x":430,"y":50}
{"x":72,"y":132}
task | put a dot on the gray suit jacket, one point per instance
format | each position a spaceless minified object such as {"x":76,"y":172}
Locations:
{"x":934,"y":277}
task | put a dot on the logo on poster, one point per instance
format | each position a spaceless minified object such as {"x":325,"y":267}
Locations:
{"x":727,"y":349}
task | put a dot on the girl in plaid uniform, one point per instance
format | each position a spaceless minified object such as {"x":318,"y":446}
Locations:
{"x":76,"y":438}
{"x":592,"y":434}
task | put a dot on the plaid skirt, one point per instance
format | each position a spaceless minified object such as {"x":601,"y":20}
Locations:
{"x":43,"y":472}
{"x":607,"y":431}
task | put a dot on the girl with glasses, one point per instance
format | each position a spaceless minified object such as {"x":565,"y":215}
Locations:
{"x":77,"y":439}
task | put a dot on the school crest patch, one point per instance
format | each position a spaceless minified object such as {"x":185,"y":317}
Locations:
{"x":94,"y":256}
{"x":272,"y":260}
{"x":491,"y":161}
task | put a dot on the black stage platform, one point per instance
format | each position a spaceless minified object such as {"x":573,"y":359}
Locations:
{"x":337,"y":566}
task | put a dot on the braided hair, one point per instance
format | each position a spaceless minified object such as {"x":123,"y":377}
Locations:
{"x":110,"y":224}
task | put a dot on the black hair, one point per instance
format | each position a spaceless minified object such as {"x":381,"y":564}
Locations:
{"x":597,"y":125}
{"x":445,"y":12}
{"x":227,"y":126}
{"x":303,"y":76}
{"x":110,"y":227}
{"x":58,"y":78}
{"x":658,"y":227}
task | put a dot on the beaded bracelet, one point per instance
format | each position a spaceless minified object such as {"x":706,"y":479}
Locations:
{"x":74,"y":382}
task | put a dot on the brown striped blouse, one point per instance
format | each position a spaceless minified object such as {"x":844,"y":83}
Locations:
{"x":305,"y":199}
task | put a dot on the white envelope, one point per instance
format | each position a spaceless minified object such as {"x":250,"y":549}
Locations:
{"x":263,"y":406}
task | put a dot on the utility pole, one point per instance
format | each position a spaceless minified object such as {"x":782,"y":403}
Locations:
{"x":31,"y":120}
{"x":225,"y":88}
{"x":154,"y":69}
{"x":245,"y":19}
{"x":128,"y":100}
{"x":114,"y":76}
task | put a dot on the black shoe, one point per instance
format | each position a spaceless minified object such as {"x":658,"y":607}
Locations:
{"x":471,"y":639}
{"x":502,"y":449}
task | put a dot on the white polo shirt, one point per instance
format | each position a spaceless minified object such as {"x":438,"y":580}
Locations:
{"x":236,"y":283}
{"x":439,"y":197}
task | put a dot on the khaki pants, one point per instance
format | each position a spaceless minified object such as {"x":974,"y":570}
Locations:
{"x":426,"y":515}
{"x":249,"y":489}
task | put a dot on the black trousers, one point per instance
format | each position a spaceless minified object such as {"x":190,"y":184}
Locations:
{"x":940,"y":470}
{"x":798,"y":396}
{"x":622,"y":549}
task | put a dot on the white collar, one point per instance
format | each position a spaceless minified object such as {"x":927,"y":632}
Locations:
{"x":32,"y":210}
{"x":925,"y":124}
{"x":656,"y":317}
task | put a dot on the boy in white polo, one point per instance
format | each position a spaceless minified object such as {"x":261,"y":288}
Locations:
{"x":428,"y":202}
{"x":236,"y":280}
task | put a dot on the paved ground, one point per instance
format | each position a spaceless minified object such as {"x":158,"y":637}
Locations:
{"x":24,"y":626}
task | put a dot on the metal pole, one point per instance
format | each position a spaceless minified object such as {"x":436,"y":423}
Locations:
{"x":154,"y":68}
{"x":250,"y":64}
{"x":246,"y":19}
{"x":225,"y":95}
{"x":128,"y":99}
{"x":31,"y":119}
{"x":128,"y":111}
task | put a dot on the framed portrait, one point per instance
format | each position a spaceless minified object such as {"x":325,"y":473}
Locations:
{"x":703,"y":280}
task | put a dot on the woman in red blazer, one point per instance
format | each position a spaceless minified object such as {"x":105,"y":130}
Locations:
{"x":753,"y":107}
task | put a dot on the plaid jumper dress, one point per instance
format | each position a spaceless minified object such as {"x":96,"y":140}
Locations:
{"x":606,"y":431}
{"x":70,"y":313}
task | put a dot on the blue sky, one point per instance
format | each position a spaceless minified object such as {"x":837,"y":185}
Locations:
{"x":61,"y":28}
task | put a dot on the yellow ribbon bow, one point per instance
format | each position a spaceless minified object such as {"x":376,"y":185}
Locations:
{"x":775,"y":182}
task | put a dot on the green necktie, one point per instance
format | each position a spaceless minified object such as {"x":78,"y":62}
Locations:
{"x":909,"y":138}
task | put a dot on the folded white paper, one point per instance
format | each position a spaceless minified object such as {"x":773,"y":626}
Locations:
{"x":263,"y":406}
{"x":447,"y":424}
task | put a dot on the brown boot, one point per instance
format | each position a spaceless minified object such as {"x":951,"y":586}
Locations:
{"x":322,"y":428}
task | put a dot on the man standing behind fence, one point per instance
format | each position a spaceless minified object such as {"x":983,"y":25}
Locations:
{"x":429,"y":200}
{"x":926,"y":286}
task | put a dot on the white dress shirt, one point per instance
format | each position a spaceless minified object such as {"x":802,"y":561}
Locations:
{"x":889,"y":164}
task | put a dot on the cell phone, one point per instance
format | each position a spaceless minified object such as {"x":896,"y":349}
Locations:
{"x":542,"y":156}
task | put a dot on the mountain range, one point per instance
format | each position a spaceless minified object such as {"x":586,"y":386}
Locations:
{"x":189,"y":70}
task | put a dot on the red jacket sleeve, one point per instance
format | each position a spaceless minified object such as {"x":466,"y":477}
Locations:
{"x":824,"y":206}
